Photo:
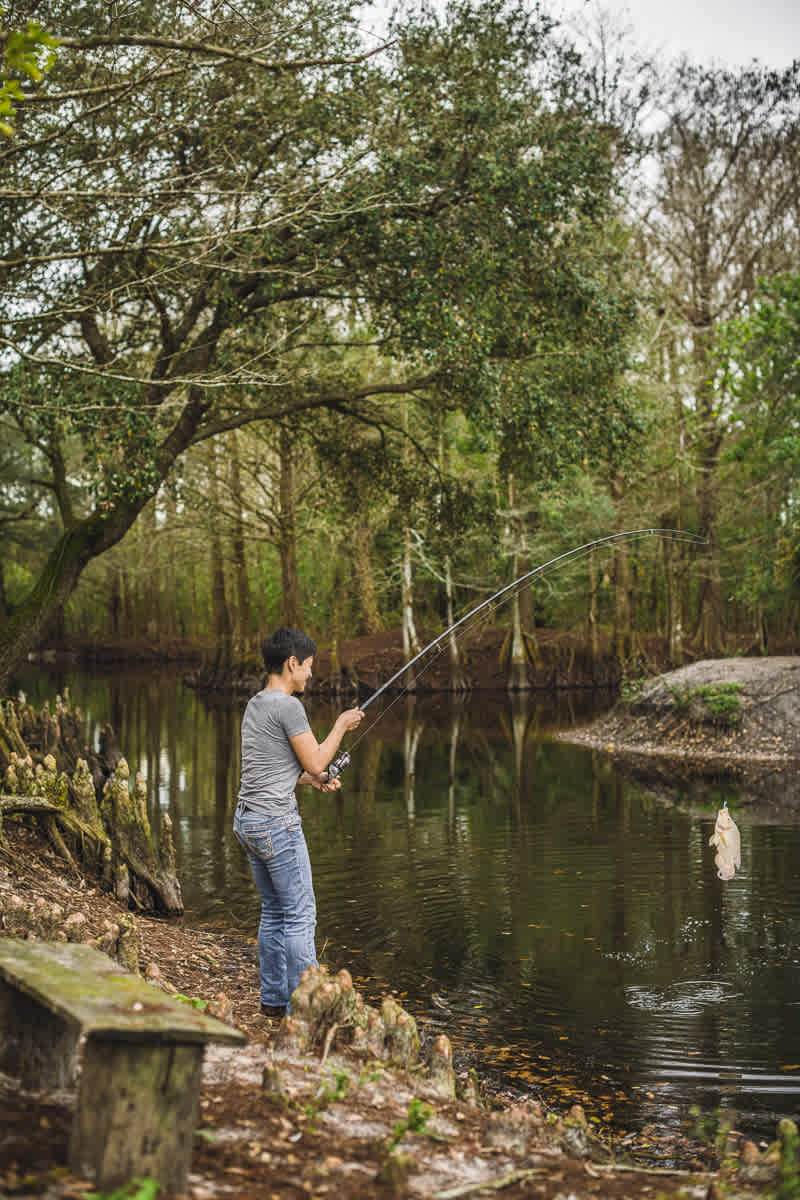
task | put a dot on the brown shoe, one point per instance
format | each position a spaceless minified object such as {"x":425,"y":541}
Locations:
{"x":273,"y":1010}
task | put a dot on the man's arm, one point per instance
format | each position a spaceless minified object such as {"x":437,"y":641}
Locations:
{"x":314,"y":756}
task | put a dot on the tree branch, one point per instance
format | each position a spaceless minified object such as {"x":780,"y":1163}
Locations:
{"x":191,"y":46}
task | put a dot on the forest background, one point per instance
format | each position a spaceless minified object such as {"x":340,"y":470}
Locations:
{"x":300,"y":327}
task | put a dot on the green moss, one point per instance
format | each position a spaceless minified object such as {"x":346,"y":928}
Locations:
{"x":719,"y":703}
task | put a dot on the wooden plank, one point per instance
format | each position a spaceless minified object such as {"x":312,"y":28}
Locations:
{"x":136,"y":1113}
{"x":37,"y":1046}
{"x":81,"y":984}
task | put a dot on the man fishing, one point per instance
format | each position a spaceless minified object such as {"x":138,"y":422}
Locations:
{"x":279,"y":751}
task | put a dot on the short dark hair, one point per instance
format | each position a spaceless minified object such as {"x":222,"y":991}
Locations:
{"x":282,"y":644}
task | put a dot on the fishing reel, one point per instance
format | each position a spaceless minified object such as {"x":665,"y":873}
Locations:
{"x":338,"y":765}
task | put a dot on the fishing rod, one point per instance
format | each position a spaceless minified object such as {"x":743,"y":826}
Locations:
{"x":500,"y":597}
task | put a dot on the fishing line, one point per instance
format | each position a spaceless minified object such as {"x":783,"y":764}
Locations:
{"x":499,"y":598}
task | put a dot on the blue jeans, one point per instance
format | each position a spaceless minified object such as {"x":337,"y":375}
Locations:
{"x":278,"y":856}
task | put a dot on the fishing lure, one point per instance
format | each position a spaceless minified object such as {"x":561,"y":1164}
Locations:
{"x":501,"y":597}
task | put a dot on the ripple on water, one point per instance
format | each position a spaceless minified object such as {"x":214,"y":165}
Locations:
{"x":688,"y":997}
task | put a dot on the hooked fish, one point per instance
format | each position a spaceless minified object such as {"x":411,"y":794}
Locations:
{"x":729,"y":846}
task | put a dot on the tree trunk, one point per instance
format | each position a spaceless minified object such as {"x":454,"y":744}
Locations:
{"x":591,"y":616}
{"x":30,"y":621}
{"x":458,"y":682}
{"x":220,"y":612}
{"x":290,"y":587}
{"x":81,"y":542}
{"x":709,"y":442}
{"x":362,"y":566}
{"x":518,"y":656}
{"x":623,"y":628}
{"x":5,"y":608}
{"x":148,"y":529}
{"x":241,"y":636}
{"x":411,"y":642}
{"x":623,"y":607}
{"x":169,"y":605}
{"x":114,"y":599}
{"x":336,"y":625}
{"x":128,"y":588}
{"x":672,"y":584}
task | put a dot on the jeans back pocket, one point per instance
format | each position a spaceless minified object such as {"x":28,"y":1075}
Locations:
{"x":257,"y":841}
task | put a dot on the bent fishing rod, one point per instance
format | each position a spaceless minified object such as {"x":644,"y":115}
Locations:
{"x":500,"y":597}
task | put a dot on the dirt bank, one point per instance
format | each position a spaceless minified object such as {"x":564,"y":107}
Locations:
{"x":734,"y":717}
{"x":278,"y":1123}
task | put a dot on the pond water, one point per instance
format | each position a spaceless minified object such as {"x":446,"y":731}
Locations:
{"x":519,"y":893}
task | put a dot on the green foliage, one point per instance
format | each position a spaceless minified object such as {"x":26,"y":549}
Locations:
{"x":759,"y":354}
{"x":194,"y":1001}
{"x":432,"y":225}
{"x":631,"y":688}
{"x":419,"y":1113}
{"x":325,"y":1095}
{"x":27,"y":53}
{"x":136,"y":1189}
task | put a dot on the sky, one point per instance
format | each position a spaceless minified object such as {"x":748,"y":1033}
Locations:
{"x":731,"y":32}
{"x":728,"y":32}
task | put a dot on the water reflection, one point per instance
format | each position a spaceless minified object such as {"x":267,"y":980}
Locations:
{"x":567,"y":921}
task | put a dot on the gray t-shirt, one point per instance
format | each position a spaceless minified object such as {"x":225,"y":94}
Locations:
{"x":270,"y":767}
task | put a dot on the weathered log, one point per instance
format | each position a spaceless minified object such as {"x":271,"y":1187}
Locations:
{"x":25,"y":804}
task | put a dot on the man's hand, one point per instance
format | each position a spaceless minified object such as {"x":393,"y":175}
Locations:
{"x":351,"y":718}
{"x":325,"y":784}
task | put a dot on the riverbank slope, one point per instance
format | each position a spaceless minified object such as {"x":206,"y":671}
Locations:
{"x":732,"y":717}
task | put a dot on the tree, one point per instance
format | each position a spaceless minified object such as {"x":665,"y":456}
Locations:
{"x":718,"y":209}
{"x":191,"y":225}
{"x":759,"y":354}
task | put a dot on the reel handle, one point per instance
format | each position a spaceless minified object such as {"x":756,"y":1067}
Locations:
{"x":338,"y":765}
